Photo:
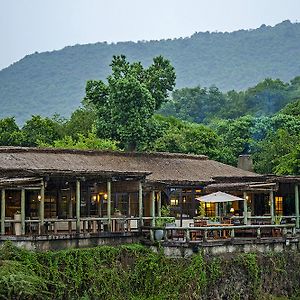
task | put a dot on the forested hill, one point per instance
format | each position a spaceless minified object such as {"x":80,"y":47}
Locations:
{"x":49,"y":82}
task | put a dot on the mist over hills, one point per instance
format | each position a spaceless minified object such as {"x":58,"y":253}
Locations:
{"x":54,"y":82}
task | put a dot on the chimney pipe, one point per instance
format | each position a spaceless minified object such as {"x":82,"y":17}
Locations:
{"x":245,"y":162}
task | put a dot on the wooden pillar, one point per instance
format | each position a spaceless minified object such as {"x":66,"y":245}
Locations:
{"x":152,"y":208}
{"x":245,"y":208}
{"x":109,"y":204}
{"x":23,"y":211}
{"x":297,"y":205}
{"x":159,"y":204}
{"x":42,"y":206}
{"x":271,"y":198}
{"x":78,"y":206}
{"x":141,"y":203}
{"x":99,"y":201}
{"x":3,"y":211}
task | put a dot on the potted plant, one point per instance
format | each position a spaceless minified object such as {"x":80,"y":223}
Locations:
{"x":161,"y":222}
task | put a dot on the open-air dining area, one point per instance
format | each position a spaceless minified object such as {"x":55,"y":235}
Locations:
{"x":52,"y":194}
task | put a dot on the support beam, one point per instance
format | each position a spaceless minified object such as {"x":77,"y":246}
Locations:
{"x":42,"y":206}
{"x":109,"y":204}
{"x":271,"y":198}
{"x":23,"y":211}
{"x":141,"y":203}
{"x":159,"y":204}
{"x":152,"y":208}
{"x":2,"y":211}
{"x":297,"y":205}
{"x":78,"y":206}
{"x":245,"y":208}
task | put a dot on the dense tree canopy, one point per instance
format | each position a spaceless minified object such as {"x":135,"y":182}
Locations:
{"x":126,"y":104}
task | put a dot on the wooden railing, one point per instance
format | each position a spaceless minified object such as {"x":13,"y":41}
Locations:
{"x":203,"y":234}
{"x":68,"y":225}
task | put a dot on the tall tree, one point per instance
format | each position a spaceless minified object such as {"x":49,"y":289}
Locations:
{"x":126,"y":103}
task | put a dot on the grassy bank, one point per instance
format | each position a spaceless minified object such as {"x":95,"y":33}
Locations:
{"x":133,"y":272}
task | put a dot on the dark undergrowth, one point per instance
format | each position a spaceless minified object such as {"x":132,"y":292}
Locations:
{"x":134,"y":272}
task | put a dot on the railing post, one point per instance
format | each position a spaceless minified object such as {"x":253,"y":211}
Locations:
{"x":109,"y":204}
{"x":141,"y":203}
{"x":2,"y":211}
{"x":245,"y":208}
{"x":187,"y":236}
{"x":42,"y":206}
{"x":297,"y":205}
{"x":23,"y":211}
{"x":152,"y":235}
{"x":258,"y":233}
{"x":205,"y":236}
{"x":232,"y":234}
{"x":78,"y":200}
{"x":272,"y":206}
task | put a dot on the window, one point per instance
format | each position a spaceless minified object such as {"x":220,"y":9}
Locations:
{"x":278,"y":205}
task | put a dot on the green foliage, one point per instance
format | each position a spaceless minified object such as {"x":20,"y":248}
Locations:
{"x":10,"y":134}
{"x":81,"y":122}
{"x":126,"y":104}
{"x":202,"y":104}
{"x":39,"y":130}
{"x":134,"y":272}
{"x":49,"y":82}
{"x":183,"y":137}
{"x":91,"y":141}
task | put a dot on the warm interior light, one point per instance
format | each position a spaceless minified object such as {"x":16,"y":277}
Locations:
{"x":105,"y":196}
{"x":94,"y":198}
{"x":208,"y":205}
{"x":39,"y":197}
{"x":247,"y":197}
{"x":174,"y":202}
{"x":232,"y":210}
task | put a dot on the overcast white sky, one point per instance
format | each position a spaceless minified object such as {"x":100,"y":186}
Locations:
{"x":27,"y":26}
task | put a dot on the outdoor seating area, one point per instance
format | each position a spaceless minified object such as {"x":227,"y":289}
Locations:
{"x":48,"y":193}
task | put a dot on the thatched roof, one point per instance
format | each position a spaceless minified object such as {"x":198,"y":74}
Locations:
{"x":164,"y":167}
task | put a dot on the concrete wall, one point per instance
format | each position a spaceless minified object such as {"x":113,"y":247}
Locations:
{"x":58,"y":242}
{"x":186,"y":250}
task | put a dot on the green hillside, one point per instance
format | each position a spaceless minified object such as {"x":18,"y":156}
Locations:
{"x":49,"y":82}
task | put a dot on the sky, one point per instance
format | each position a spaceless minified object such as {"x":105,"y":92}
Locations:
{"x":27,"y":26}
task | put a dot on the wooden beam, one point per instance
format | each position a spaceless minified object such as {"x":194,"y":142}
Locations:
{"x":42,"y":205}
{"x":159,"y":203}
{"x":2,"y":211}
{"x":297,"y":205}
{"x":23,"y":211}
{"x":109,"y":204}
{"x":78,"y":206}
{"x":245,"y":208}
{"x":153,"y":208}
{"x":271,"y":198}
{"x":141,"y":202}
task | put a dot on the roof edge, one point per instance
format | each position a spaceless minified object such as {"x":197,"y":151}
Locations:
{"x":11,"y":149}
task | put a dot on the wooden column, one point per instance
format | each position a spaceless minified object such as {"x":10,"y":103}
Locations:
{"x":152,"y":208}
{"x":23,"y":211}
{"x":109,"y":204}
{"x":245,"y":208}
{"x":297,"y":205}
{"x":271,"y":198}
{"x":78,"y":206}
{"x":42,"y":206}
{"x":141,"y":203}
{"x":159,"y":204}
{"x":3,"y":211}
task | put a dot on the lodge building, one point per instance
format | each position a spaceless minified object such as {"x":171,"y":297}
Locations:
{"x":58,"y":191}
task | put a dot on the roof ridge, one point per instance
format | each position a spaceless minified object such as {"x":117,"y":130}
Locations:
{"x":12,"y":149}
